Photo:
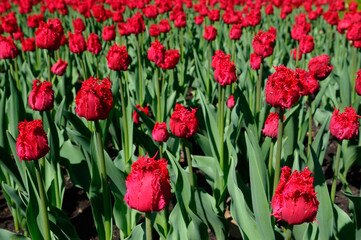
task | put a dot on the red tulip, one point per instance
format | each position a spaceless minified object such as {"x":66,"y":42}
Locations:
{"x":219,"y":57}
{"x":263,"y":44}
{"x":78,"y":25}
{"x":164,"y":26}
{"x":94,"y":101}
{"x":77,"y":42}
{"x":48,"y":35}
{"x":93,"y":44}
{"x":210,"y":33}
{"x":171,"y":59}
{"x":213,"y":15}
{"x":33,"y":21}
{"x":136,"y":119}
{"x":295,"y":199}
{"x":183,"y":123}
{"x":320,"y":67}
{"x":307,"y":44}
{"x":236,"y":32}
{"x":181,"y":20}
{"x":118,"y":59}
{"x":255,"y":61}
{"x":154,"y":30}
{"x":150,"y":11}
{"x":109,"y":33}
{"x":198,"y":20}
{"x":160,"y":132}
{"x":294,"y":53}
{"x":136,"y":23}
{"x":271,"y":125}
{"x":344,"y":125}
{"x":156,"y":53}
{"x":230,"y":102}
{"x":41,"y":97}
{"x":32,"y":142}
{"x":354,"y":32}
{"x":59,"y":67}
{"x":9,"y":23}
{"x":28,"y":45}
{"x":8,"y":49}
{"x":308,"y":84}
{"x":148,"y":187}
{"x":282,"y":89}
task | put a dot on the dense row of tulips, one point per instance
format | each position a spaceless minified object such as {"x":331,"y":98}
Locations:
{"x":89,"y":88}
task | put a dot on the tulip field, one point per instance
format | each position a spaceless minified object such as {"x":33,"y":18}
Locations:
{"x":180,"y":119}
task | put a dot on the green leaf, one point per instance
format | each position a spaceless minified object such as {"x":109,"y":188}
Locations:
{"x":138,"y":233}
{"x":356,"y":210}
{"x":325,"y":212}
{"x":4,"y":234}
{"x":344,"y":228}
{"x":178,"y":226}
{"x":259,"y":187}
{"x":75,"y":163}
{"x":239,"y":209}
{"x":60,"y":225}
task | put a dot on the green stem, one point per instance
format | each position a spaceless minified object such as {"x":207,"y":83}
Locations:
{"x":353,"y":73}
{"x":97,"y":65}
{"x":270,"y":158}
{"x":14,"y":212}
{"x":49,"y":67}
{"x":44,"y":208}
{"x":258,"y":93}
{"x":125,"y":120}
{"x":159,"y":112}
{"x":234,"y":50}
{"x":140,"y":72}
{"x":221,"y":126}
{"x":297,"y":54}
{"x":148,"y":225}
{"x":107,"y":202}
{"x":309,"y":126}
{"x":208,"y":70}
{"x":16,"y":74}
{"x":278,"y":151}
{"x":189,"y":161}
{"x":335,"y":174}
{"x":57,"y":190}
{"x":288,"y":233}
{"x":37,"y":57}
{"x":83,"y":67}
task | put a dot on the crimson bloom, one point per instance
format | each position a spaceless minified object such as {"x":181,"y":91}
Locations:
{"x":156,"y":53}
{"x":118,"y":59}
{"x":282,"y":88}
{"x":354,"y":32}
{"x":295,"y":199}
{"x":28,"y":45}
{"x":59,"y":67}
{"x":77,"y":42}
{"x":109,"y":33}
{"x":225,"y":73}
{"x":271,"y":125}
{"x":230,"y":102}
{"x":32,"y":142}
{"x":236,"y":32}
{"x":136,"y":118}
{"x":41,"y":97}
{"x":263,"y":44}
{"x":320,"y":67}
{"x":154,"y":30}
{"x":94,"y":101}
{"x":198,"y":20}
{"x":8,"y":49}
{"x":93,"y":44}
{"x":308,"y":84}
{"x":255,"y":61}
{"x":171,"y":59}
{"x":160,"y":132}
{"x":33,"y":21}
{"x":164,"y":26}
{"x":78,"y":25}
{"x":210,"y":33}
{"x":344,"y":125}
{"x":48,"y":35}
{"x":218,"y":57}
{"x":183,"y":123}
{"x":307,"y":44}
{"x":148,"y":187}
